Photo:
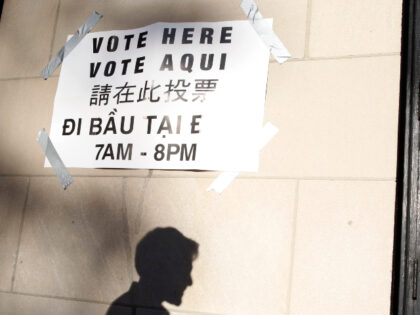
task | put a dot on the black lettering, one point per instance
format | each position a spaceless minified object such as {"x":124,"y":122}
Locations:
{"x":128,"y":39}
{"x":168,"y":35}
{"x":122,"y":154}
{"x":130,"y":130}
{"x":187,"y":34}
{"x":209,"y":65}
{"x":165,"y":125}
{"x":100,"y":146}
{"x":97,"y":43}
{"x":110,"y":126}
{"x":222,"y":62}
{"x":167,"y":63}
{"x":172,"y":152}
{"x":149,"y":123}
{"x":125,"y":63}
{"x":178,"y":126}
{"x":112,"y":43}
{"x":159,"y":153}
{"x":188,"y":155}
{"x":187,"y":61}
{"x":110,"y":68}
{"x":225,"y":35}
{"x":94,"y":68}
{"x":139,"y":64}
{"x":108,"y":152}
{"x":142,"y":40}
{"x":206,"y":35}
{"x":95,"y":123}
{"x":68,"y":123}
{"x":194,"y":123}
{"x":79,"y":126}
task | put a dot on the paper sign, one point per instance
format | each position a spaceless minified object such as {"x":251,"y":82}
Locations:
{"x":165,"y":96}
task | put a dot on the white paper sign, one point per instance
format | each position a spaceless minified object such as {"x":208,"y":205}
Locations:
{"x":165,"y":96}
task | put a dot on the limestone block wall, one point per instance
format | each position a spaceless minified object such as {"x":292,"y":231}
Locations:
{"x":310,"y":233}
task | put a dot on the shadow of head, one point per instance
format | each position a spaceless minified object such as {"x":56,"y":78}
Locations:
{"x":163,"y":261}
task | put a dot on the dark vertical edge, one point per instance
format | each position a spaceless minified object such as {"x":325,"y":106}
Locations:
{"x":411,"y":247}
{"x":398,"y":262}
{"x":1,"y":7}
{"x":407,"y":167}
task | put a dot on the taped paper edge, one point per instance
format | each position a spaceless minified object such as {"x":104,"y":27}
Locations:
{"x":70,"y":44}
{"x":54,"y":159}
{"x":224,"y":179}
{"x":276,"y":46}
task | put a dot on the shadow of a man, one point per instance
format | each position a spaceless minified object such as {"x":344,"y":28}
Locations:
{"x":163,"y":261}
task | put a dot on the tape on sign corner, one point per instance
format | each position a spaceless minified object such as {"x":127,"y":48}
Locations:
{"x":70,"y":44}
{"x":265,"y":31}
{"x":54,"y":159}
{"x":225,"y":178}
{"x":222,"y":181}
{"x":267,"y":133}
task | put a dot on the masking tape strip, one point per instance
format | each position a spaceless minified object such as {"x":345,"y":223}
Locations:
{"x":265,"y":31}
{"x":225,"y":178}
{"x":54,"y":159}
{"x":70,"y":44}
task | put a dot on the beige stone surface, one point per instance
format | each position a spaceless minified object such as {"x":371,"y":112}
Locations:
{"x":244,"y":235}
{"x":342,"y":28}
{"x":289,"y":22}
{"x":15,"y":304}
{"x":12,"y":198}
{"x":289,"y":16}
{"x":343,"y":249}
{"x":74,"y":242}
{"x":336,"y":118}
{"x":25,"y":108}
{"x":26,"y":33}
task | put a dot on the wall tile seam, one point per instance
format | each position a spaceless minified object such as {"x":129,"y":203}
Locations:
{"x":64,"y":298}
{"x":78,"y":176}
{"x":292,"y":248}
{"x":191,"y":312}
{"x":28,"y":77}
{"x":127,"y":238}
{"x":285,"y":178}
{"x":69,"y":299}
{"x":57,"y":12}
{"x":22,"y":220}
{"x":344,"y":57}
{"x":308,"y":28}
